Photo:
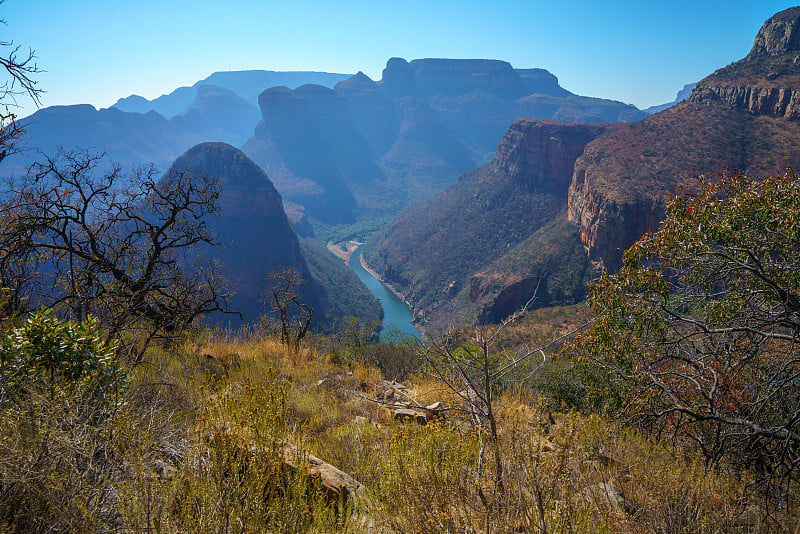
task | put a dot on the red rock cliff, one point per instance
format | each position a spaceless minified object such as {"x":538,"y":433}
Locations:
{"x":740,"y":117}
{"x":542,"y":153}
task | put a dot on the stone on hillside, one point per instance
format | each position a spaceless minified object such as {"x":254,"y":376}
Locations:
{"x":404,"y":415}
{"x":436,"y":410}
{"x":611,"y":498}
{"x":335,"y":484}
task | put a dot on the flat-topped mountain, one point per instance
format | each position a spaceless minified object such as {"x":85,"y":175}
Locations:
{"x":258,"y":239}
{"x":743,"y":116}
{"x":364,"y":149}
{"x":378,"y":146}
{"x":478,"y":250}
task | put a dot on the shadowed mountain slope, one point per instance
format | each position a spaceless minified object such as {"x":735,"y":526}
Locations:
{"x":481,"y":247}
{"x":258,"y":239}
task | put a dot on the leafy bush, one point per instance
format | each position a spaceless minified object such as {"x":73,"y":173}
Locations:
{"x":697,"y":331}
{"x":46,"y":355}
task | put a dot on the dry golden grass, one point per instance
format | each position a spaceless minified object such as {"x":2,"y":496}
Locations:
{"x":195,"y":449}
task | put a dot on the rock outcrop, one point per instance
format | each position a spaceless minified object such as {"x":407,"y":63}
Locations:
{"x":767,"y":81}
{"x":543,"y":153}
{"x":451,"y":77}
{"x":740,"y":117}
{"x":779,"y":35}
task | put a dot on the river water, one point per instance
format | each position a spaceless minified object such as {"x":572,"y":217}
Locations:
{"x":395,"y":311}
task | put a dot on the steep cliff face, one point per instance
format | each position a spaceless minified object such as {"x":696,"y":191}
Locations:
{"x":779,"y":35}
{"x":543,"y":153}
{"x":772,"y":101}
{"x":294,"y":144}
{"x":741,"y":117}
{"x":252,"y":226}
{"x":494,"y":233}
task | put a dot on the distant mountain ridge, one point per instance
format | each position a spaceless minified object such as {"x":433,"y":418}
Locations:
{"x":682,"y":95}
{"x":398,"y":141}
{"x":247,"y":84}
{"x":361,"y":149}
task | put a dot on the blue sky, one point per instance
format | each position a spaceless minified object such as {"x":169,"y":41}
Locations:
{"x":640,"y":52}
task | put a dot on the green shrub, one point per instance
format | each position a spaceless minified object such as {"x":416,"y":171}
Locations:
{"x":48,"y":356}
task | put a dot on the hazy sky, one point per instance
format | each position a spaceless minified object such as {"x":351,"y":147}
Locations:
{"x":641,"y":52}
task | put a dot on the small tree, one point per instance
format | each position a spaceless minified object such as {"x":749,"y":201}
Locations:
{"x":47,"y":356}
{"x":477,"y":373}
{"x":294,"y":316}
{"x":123,"y":247}
{"x":698,"y":330}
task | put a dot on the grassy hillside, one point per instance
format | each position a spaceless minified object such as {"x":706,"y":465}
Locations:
{"x":197,"y":438}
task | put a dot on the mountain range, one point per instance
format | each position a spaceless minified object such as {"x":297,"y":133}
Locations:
{"x":248,"y":84}
{"x":562,"y":201}
{"x":361,"y":148}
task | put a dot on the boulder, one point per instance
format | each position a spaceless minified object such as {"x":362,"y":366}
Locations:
{"x":335,"y":484}
{"x":404,"y":415}
{"x":610,"y":498}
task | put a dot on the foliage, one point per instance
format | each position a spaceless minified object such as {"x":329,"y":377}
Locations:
{"x":698,"y":329}
{"x":46,"y":356}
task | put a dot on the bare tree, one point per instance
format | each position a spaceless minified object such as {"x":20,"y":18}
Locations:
{"x":294,"y":316}
{"x":477,"y":373}
{"x":123,"y":247}
{"x":20,"y":67}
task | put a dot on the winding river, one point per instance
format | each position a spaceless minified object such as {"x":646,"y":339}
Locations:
{"x":395,"y":311}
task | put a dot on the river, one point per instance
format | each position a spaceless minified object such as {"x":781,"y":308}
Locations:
{"x":395,"y":311}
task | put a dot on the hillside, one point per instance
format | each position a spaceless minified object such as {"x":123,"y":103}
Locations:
{"x":478,"y":250}
{"x":741,"y":117}
{"x":258,"y":239}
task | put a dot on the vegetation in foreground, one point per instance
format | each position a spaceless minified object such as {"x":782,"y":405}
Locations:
{"x":193,"y":441}
{"x":691,"y":348}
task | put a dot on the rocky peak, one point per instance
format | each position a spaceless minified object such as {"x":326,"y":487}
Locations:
{"x":358,"y":85}
{"x":767,"y":81}
{"x":542,"y":82}
{"x":246,"y":188}
{"x":779,"y":35}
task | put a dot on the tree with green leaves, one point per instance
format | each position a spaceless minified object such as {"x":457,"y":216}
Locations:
{"x":697,"y":332}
